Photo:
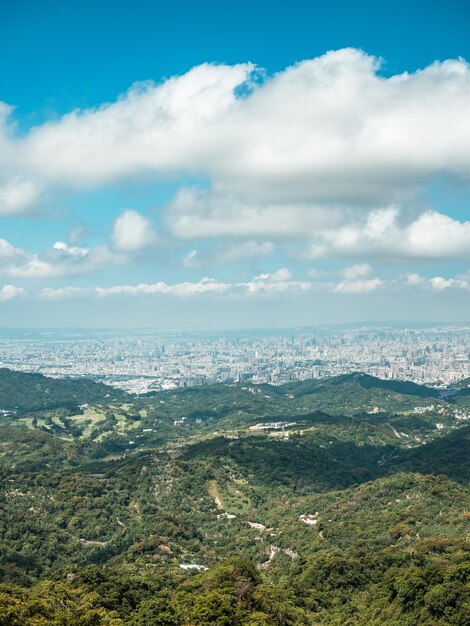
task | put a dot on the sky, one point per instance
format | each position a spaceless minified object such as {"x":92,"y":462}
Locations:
{"x":233,"y":165}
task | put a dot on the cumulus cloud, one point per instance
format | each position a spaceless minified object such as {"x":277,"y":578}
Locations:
{"x":348,"y":133}
{"x":204,"y":286}
{"x":438,"y":283}
{"x":8,"y":252}
{"x":413,"y":279}
{"x":153,"y":127}
{"x":359,"y":286}
{"x":73,"y":251}
{"x":356,"y":281}
{"x":328,"y":151}
{"x":17,"y":196}
{"x":185,"y":289}
{"x":132,"y":232}
{"x":359,"y":270}
{"x":385,"y":234}
{"x":59,"y":261}
{"x":269,"y":283}
{"x":275,"y":283}
{"x":8,"y":292}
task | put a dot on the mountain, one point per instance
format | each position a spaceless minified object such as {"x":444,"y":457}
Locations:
{"x":339,"y":501}
{"x":20,"y":391}
{"x":364,"y":381}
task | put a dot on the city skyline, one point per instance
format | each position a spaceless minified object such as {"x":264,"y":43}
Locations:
{"x":307,"y":165}
{"x":150,"y":361}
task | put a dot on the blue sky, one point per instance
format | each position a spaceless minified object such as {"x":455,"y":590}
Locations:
{"x":239,"y":164}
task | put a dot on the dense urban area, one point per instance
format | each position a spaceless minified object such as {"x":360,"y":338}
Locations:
{"x":141,"y":361}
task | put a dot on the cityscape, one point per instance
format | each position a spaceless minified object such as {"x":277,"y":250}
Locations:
{"x":141,"y":362}
{"x":234,"y":313}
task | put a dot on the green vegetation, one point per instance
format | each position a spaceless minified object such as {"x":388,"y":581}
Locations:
{"x":343,"y":501}
{"x":33,"y":392}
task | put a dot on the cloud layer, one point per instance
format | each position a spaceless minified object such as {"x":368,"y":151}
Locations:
{"x":329,"y":128}
{"x":354,"y":280}
{"x":270,"y":284}
{"x":325,"y":159}
{"x":328,"y":143}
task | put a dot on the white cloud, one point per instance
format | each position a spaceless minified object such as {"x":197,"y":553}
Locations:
{"x":61,"y":260}
{"x":387,"y":235}
{"x":64,"y":293}
{"x":204,"y":286}
{"x":413,"y":279}
{"x":151,"y":127}
{"x":359,"y":286}
{"x":439,"y":283}
{"x":280,"y":276}
{"x":266,"y":284}
{"x":132,"y":232}
{"x":192,"y":259}
{"x":327,"y":150}
{"x":269,"y":283}
{"x":274,"y":283}
{"x":74,"y":251}
{"x":17,"y":196}
{"x":359,"y":270}
{"x":8,"y":292}
{"x":185,"y":289}
{"x":8,"y":252}
{"x":436,"y":235}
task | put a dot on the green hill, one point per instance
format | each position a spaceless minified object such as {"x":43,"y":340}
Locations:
{"x":340,"y":501}
{"x":363,"y":381}
{"x":22,"y":392}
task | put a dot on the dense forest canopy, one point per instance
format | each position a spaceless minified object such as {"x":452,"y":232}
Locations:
{"x":338,"y":501}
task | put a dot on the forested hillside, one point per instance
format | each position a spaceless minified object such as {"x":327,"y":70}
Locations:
{"x":33,"y":392}
{"x":343,"y":501}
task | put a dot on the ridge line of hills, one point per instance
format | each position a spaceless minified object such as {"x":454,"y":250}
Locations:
{"x":332,"y":501}
{"x":54,"y":392}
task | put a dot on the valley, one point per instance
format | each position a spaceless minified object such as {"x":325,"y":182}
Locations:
{"x":201,"y":490}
